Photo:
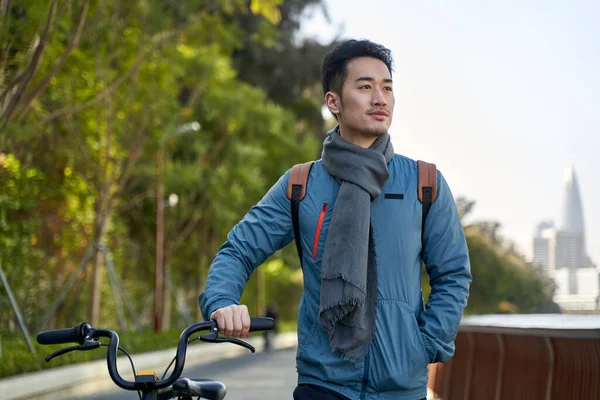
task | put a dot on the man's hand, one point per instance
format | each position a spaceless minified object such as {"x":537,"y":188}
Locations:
{"x":233,"y":320}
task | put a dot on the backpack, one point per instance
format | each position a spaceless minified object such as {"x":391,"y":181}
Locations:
{"x":296,"y":190}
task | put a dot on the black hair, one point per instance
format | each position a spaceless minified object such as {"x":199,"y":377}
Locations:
{"x":334,"y":69}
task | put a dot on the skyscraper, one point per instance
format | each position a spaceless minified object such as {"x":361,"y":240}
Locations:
{"x":570,"y":239}
{"x":561,"y":252}
{"x":572,"y":210}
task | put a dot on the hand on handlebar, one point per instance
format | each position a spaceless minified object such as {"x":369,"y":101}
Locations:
{"x":233,"y":320}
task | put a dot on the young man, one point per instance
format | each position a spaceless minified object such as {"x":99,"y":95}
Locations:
{"x":363,"y":331}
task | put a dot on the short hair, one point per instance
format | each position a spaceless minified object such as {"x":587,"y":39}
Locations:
{"x":334,"y":69}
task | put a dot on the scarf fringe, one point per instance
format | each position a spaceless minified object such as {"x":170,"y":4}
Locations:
{"x":329,"y":324}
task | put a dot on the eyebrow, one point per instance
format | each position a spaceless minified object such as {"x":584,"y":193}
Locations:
{"x":370,"y":79}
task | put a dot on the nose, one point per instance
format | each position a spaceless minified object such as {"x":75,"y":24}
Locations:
{"x":378,"y":98}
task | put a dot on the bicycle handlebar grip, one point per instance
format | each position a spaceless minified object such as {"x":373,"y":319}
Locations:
{"x":61,"y":336}
{"x":261,"y":324}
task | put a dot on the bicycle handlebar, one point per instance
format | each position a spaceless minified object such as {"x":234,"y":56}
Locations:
{"x":63,"y":336}
{"x":83,"y":332}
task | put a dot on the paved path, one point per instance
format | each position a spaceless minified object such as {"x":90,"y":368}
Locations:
{"x":259,"y":376}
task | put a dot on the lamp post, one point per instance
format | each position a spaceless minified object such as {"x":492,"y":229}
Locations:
{"x":160,"y":234}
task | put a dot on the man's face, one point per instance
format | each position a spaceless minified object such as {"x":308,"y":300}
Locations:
{"x":366,"y":105}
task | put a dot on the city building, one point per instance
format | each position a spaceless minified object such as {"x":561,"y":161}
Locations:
{"x":560,"y":252}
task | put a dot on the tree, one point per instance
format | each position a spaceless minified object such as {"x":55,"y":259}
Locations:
{"x":29,"y":30}
{"x":89,"y":89}
{"x":502,"y":280}
{"x":287,"y":68}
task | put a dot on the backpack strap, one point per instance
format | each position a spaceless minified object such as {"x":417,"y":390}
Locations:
{"x":296,"y":190}
{"x":427,"y":188}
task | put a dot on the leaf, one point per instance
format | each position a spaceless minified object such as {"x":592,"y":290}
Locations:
{"x":268,"y":9}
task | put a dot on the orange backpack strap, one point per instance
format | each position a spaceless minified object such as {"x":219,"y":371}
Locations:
{"x":427,"y":181}
{"x":296,"y":187}
{"x":427,"y":188}
{"x":296,"y":190}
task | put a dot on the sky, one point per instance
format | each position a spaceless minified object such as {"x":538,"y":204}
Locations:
{"x":503,"y":96}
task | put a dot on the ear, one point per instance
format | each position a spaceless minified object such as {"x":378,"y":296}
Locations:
{"x":333,"y":102}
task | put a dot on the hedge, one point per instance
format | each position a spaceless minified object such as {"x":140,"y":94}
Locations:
{"x":18,"y":359}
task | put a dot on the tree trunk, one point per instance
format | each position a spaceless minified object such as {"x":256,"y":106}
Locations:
{"x":159,"y":275}
{"x":99,"y":236}
{"x":166,"y":293}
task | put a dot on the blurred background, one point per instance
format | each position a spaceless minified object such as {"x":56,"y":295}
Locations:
{"x":134,"y":135}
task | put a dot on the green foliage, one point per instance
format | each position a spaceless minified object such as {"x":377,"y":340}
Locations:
{"x":503,"y":282}
{"x":90,"y":91}
{"x":18,"y":225}
{"x":283,"y":289}
{"x":19,"y":230}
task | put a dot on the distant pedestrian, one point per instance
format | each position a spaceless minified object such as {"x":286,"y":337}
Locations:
{"x":269,"y":335}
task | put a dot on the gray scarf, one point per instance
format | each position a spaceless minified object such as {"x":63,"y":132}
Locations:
{"x":349,"y":270}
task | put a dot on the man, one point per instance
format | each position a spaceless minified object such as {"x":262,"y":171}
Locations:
{"x":363,"y":331}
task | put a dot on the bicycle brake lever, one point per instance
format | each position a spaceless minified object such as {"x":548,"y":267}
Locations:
{"x":89,"y":344}
{"x":238,"y":342}
{"x":213,"y":337}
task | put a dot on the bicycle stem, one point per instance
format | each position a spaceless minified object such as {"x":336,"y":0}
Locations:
{"x":159,"y":384}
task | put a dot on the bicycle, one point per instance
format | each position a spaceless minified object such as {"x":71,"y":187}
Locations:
{"x":147,"y":384}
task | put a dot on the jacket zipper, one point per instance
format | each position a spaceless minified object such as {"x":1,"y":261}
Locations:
{"x":365,"y":378}
{"x":318,"y":232}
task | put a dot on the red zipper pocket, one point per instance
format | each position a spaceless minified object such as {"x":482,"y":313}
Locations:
{"x":319,"y":226}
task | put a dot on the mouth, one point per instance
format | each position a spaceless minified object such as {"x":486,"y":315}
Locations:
{"x":379,"y":115}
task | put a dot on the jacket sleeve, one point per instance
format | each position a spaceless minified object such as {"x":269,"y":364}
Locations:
{"x":446,"y":258}
{"x":266,"y":228}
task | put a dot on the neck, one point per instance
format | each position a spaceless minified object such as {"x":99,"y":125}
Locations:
{"x":357,"y":139}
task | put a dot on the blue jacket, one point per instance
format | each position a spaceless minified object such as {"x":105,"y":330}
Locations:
{"x":409,"y":335}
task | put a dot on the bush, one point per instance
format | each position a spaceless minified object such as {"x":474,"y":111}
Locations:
{"x":18,"y":359}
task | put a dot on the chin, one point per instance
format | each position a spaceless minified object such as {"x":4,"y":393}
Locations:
{"x":376,"y":130}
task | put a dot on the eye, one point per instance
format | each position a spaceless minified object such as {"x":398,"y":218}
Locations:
{"x":365,"y":87}
{"x":388,"y":88}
